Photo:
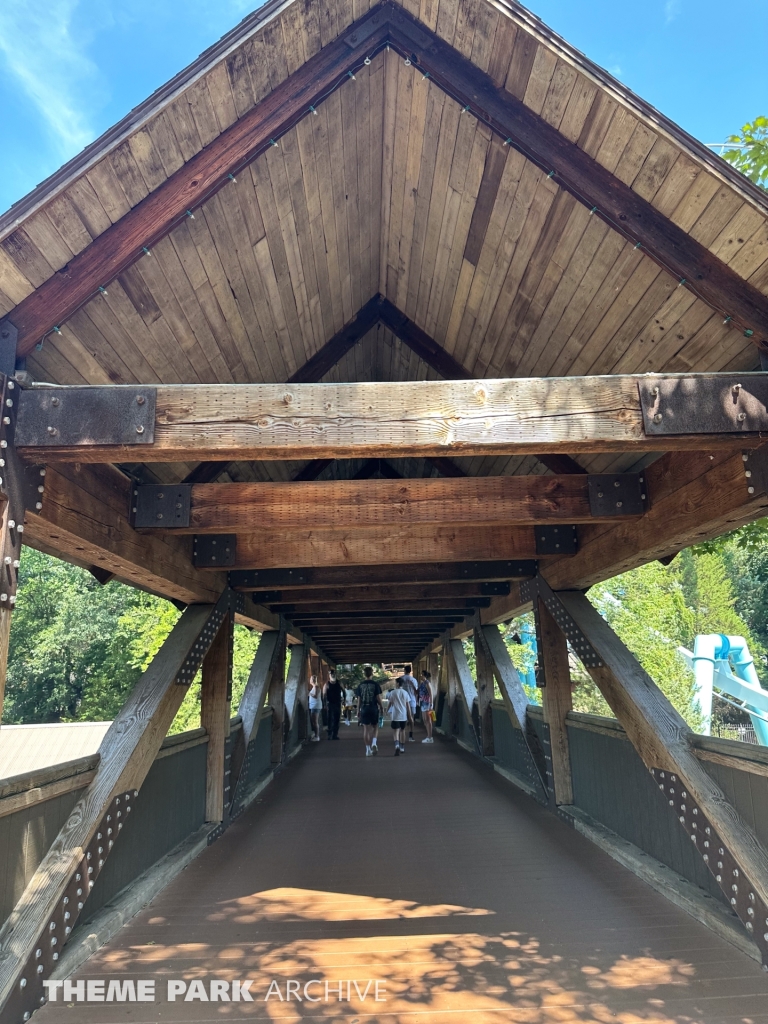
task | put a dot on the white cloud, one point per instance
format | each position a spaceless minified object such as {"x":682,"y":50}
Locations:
{"x":50,"y":66}
{"x":671,"y":10}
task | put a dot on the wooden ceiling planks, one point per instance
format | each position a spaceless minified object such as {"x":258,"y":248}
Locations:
{"x":392,"y":188}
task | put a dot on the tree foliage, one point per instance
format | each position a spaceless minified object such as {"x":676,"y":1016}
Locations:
{"x":750,"y":154}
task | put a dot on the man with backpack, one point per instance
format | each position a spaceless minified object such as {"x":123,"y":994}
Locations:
{"x":369,"y":707}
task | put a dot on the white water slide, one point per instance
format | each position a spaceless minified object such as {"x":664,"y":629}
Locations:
{"x":722,"y":665}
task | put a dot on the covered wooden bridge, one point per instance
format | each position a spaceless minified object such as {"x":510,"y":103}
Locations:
{"x":377,"y":326}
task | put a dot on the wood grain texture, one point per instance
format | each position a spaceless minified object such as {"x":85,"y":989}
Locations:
{"x":347,"y":504}
{"x":466,"y":684}
{"x":425,"y":418}
{"x":215,"y":715}
{"x":557,"y":700}
{"x":374,"y":546}
{"x":155,"y":212}
{"x":84,"y":520}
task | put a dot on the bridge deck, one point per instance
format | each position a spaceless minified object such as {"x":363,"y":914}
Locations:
{"x":433,"y":876}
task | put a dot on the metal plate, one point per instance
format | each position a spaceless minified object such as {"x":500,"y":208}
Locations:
{"x":214,"y":551}
{"x":617,"y":494}
{"x":8,"y":337}
{"x":495,"y":588}
{"x":530,"y":590}
{"x":718,"y":404}
{"x":155,"y":505}
{"x":56,"y":417}
{"x":756,"y":470}
{"x":266,"y":579}
{"x":727,"y":871}
{"x":556,"y":540}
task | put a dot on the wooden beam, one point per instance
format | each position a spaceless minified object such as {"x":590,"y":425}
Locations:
{"x":308,"y":578}
{"x":557,"y":700}
{"x":327,"y":357}
{"x":127,"y":753}
{"x":84,"y":519}
{"x":376,"y":545}
{"x":419,"y":593}
{"x":696,"y":497}
{"x":346,"y":504}
{"x":296,"y":678}
{"x":485,"y":689}
{"x":371,"y":467}
{"x":513,"y":416}
{"x":467,"y":687}
{"x":313,"y":469}
{"x":591,"y":183}
{"x":215,"y":715}
{"x":465,"y":606}
{"x":186,"y":189}
{"x":664,"y":742}
{"x":276,"y":701}
{"x":426,"y":348}
{"x":515,"y":699}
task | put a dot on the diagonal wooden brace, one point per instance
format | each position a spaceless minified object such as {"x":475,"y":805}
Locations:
{"x":467,"y":690}
{"x":729,"y":848}
{"x":296,"y":677}
{"x":515,"y":701}
{"x":54,"y":896}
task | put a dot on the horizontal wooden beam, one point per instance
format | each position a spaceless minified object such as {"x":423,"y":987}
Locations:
{"x":198,"y":179}
{"x":348,"y":504}
{"x":420,"y":593}
{"x":696,"y":497}
{"x":415,"y":418}
{"x":402,"y":604}
{"x":592,"y":184}
{"x":376,"y":545}
{"x":84,"y":520}
{"x":415,"y":573}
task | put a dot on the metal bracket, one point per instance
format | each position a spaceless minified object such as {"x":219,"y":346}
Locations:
{"x":266,"y":579}
{"x":214,"y":551}
{"x":744,"y":901}
{"x":530,"y":590}
{"x":556,"y":540}
{"x":205,"y":638}
{"x":756,"y":470}
{"x":717,"y":404}
{"x":28,"y":993}
{"x":617,"y":494}
{"x":161,"y":507}
{"x":69,"y":417}
{"x":8,"y":338}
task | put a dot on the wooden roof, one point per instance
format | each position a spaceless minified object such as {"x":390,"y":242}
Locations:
{"x":392,"y":188}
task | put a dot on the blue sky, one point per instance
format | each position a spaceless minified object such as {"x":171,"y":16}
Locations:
{"x":71,"y":68}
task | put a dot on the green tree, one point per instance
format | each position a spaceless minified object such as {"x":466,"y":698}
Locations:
{"x":751,"y":156}
{"x":64,"y":662}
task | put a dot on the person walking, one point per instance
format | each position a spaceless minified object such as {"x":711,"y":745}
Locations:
{"x":424,"y":697}
{"x":399,"y":711}
{"x":410,"y":686}
{"x":332,"y":691}
{"x":369,"y":705}
{"x":349,"y":703}
{"x":315,"y":707}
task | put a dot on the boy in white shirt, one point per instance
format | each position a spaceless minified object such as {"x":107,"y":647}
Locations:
{"x":399,"y":710}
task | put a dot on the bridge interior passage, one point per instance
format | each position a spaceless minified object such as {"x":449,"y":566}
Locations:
{"x":380,"y":325}
{"x":433,"y":876}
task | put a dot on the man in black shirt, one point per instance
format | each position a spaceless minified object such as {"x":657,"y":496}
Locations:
{"x":369,"y":706}
{"x":333,"y":693}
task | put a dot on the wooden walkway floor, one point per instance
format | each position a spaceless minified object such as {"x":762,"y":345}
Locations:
{"x":433,"y":876}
